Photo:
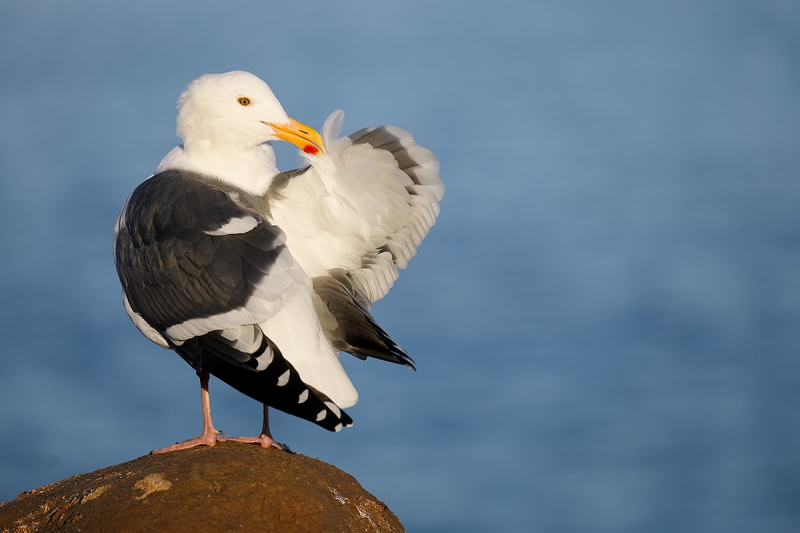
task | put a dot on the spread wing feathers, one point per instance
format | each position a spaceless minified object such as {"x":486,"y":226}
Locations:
{"x":192,"y":260}
{"x":347,"y":323}
{"x":251,"y":363}
{"x":364,"y":206}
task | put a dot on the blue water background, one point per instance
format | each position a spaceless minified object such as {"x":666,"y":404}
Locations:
{"x":606,"y":318}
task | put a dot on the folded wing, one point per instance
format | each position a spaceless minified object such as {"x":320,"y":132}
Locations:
{"x":205,"y":275}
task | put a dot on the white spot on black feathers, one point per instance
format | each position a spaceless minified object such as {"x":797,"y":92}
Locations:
{"x":303,"y":396}
{"x":321,"y":415}
{"x":334,"y":408}
{"x":284,"y":378}
{"x":264,"y":359}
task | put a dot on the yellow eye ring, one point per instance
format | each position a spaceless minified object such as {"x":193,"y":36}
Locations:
{"x":243,"y":100}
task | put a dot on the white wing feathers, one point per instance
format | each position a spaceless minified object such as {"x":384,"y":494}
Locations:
{"x":364,"y":206}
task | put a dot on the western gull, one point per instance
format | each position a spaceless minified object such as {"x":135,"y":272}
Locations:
{"x":261,"y":277}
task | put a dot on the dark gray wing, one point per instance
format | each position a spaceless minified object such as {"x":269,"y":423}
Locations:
{"x":192,"y":260}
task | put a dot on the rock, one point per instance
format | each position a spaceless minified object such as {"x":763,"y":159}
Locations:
{"x":228,"y":487}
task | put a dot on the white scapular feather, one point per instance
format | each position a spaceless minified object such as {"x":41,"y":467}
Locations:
{"x":236,"y":226}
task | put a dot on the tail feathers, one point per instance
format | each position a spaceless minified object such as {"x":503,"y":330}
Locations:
{"x":264,"y":375}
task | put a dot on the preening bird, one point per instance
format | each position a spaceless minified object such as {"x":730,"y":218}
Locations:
{"x":261,"y":277}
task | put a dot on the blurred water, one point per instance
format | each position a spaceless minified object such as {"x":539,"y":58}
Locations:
{"x":605,"y":318}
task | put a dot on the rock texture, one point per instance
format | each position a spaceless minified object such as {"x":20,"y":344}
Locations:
{"x":229,"y":487}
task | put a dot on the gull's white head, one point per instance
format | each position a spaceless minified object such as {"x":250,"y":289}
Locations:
{"x":237,"y":111}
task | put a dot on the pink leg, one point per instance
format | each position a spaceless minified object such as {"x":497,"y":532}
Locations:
{"x":264,"y":440}
{"x":210,"y":435}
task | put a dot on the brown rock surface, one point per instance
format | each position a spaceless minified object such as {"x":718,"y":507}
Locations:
{"x":229,"y":487}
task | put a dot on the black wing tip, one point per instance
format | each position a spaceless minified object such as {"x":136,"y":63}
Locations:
{"x":390,"y":356}
{"x":277,"y":385}
{"x":344,"y":422}
{"x":337,"y":420}
{"x":405,"y":359}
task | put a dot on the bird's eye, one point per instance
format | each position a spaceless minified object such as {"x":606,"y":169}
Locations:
{"x":243,"y":100}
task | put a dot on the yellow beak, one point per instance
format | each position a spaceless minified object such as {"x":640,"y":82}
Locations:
{"x":299,"y":134}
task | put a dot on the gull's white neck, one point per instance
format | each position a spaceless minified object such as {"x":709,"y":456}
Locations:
{"x":251,"y":170}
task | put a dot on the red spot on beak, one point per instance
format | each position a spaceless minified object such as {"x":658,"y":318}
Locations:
{"x":311,"y":149}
